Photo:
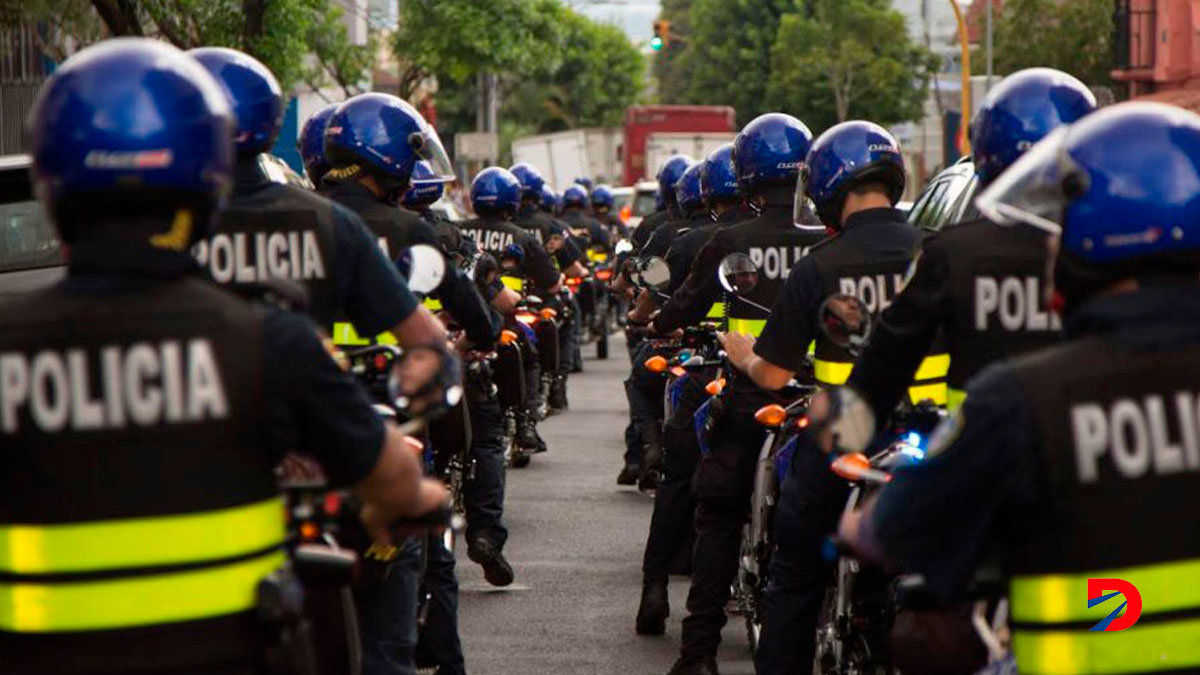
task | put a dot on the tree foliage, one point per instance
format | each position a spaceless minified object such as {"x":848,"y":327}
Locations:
{"x":1075,"y":37}
{"x":842,"y":60}
{"x":280,"y":33}
{"x":672,"y":67}
{"x":730,"y":59}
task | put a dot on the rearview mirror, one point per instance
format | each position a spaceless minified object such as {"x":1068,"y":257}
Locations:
{"x":655,"y":273}
{"x":423,"y":267}
{"x":845,"y":321}
{"x":623,"y":246}
{"x":738,"y":274}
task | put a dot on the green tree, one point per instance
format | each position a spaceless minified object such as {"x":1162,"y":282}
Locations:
{"x":1075,"y":37}
{"x":730,"y":52}
{"x":280,"y":33}
{"x":846,"y":59}
{"x":672,"y":67}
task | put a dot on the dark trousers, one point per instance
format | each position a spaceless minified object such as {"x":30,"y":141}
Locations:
{"x":387,"y":611}
{"x":723,"y":482}
{"x":811,"y":502}
{"x":671,"y":525}
{"x":484,"y":493}
{"x":439,"y":645}
{"x":644,"y":390}
{"x":572,"y":352}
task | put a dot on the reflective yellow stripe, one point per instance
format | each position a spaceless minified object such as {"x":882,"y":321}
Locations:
{"x":601,"y":256}
{"x":832,"y":372}
{"x":955,"y":398}
{"x":935,"y":392}
{"x":933,"y":367}
{"x":1054,"y":598}
{"x":142,"y":542}
{"x":747,"y":326}
{"x":344,"y":335}
{"x":137,"y":601}
{"x":432,"y":304}
{"x":1142,"y":648}
{"x":717,"y":311}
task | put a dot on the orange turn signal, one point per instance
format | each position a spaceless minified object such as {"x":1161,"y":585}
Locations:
{"x":507,"y":337}
{"x":771,"y":415}
{"x":715,"y":387}
{"x":527,"y":318}
{"x":678,"y":371}
{"x":626,"y":213}
{"x":852,"y":467}
{"x":309,"y":531}
{"x":656,"y":364}
{"x":548,"y":313}
{"x":604,"y":275}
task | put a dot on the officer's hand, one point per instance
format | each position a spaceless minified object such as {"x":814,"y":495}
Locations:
{"x":739,"y":347}
{"x":431,"y":495}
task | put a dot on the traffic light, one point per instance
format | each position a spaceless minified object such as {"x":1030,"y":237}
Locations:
{"x":662,"y":35}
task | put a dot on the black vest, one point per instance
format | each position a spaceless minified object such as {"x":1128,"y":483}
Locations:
{"x":775,"y":245}
{"x":137,"y":418}
{"x":996,"y":285}
{"x":1117,"y":437}
{"x":277,"y":231}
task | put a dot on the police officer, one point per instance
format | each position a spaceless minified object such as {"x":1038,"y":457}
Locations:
{"x":768,"y":154}
{"x":671,"y":530}
{"x":311,"y":144}
{"x":1079,"y":461}
{"x":978,"y":282}
{"x":668,"y":175}
{"x":587,"y":231}
{"x":141,"y":413}
{"x":602,"y":204}
{"x":270,"y":229}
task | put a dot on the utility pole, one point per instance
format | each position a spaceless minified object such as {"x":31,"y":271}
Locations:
{"x":965,"y":121}
{"x":989,"y":45}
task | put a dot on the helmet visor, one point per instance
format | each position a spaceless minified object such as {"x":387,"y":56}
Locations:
{"x":1037,"y":188}
{"x":429,"y":147}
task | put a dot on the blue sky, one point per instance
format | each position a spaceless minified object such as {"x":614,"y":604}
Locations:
{"x":635,"y":17}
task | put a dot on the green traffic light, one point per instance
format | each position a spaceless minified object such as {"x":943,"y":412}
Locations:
{"x":656,"y":43}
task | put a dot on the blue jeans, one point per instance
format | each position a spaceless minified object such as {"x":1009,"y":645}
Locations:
{"x":811,"y":501}
{"x":484,"y":494}
{"x":387,"y":612}
{"x":440,"y":645}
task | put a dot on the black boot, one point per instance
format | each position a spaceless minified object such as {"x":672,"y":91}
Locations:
{"x":558,"y":393}
{"x":700,"y":667}
{"x":652,"y":457}
{"x":496,"y":569}
{"x":629,"y":475}
{"x":527,"y":438}
{"x":654,"y":609}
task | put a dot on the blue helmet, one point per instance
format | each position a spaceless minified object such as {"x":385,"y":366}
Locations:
{"x":424,"y":190}
{"x":575,"y":195}
{"x":770,"y":150}
{"x":585,"y":182}
{"x":846,"y":155}
{"x":311,"y":143}
{"x":531,"y":180}
{"x":254,"y":94}
{"x":1019,"y":112}
{"x":385,"y":135}
{"x":602,"y":197}
{"x":550,"y":200}
{"x":127,"y":120}
{"x":495,"y":191}
{"x":668,"y":176}
{"x":687,"y":190}
{"x":1121,"y":186}
{"x":718,"y":178}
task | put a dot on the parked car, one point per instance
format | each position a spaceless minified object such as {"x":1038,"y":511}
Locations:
{"x":949,"y":197}
{"x":645,"y":197}
{"x":30,"y":250}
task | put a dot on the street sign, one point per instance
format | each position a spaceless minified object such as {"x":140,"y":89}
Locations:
{"x":476,"y":146}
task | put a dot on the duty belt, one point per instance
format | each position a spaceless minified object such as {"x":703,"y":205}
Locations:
{"x":1052,"y":621}
{"x":138,"y":571}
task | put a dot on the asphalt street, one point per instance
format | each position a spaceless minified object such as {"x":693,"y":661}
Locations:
{"x":575,"y":543}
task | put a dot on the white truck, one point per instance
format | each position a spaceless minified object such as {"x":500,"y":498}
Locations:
{"x":696,"y":144}
{"x":566,"y":155}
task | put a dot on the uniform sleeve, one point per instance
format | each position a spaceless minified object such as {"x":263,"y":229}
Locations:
{"x":679,"y":259}
{"x":905,"y":331}
{"x":569,"y":254}
{"x":537,"y":265}
{"x":313,"y":407}
{"x":460,"y":296}
{"x":979,"y":478}
{"x":789,"y":331}
{"x":691,"y":302}
{"x":659,"y":242}
{"x":370,"y":288}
